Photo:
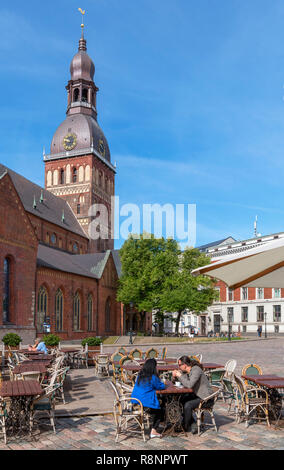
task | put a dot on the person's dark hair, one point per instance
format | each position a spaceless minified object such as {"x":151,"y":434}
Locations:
{"x":148,"y":370}
{"x":188,"y":361}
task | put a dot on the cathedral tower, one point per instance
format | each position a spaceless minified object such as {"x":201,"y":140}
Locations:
{"x":79,"y":167}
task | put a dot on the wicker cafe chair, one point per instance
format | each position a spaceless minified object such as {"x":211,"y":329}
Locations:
{"x":197,"y":357}
{"x":45,"y":403}
{"x":81,"y":357}
{"x":116,"y":370}
{"x":230,"y":367}
{"x":251,"y":369}
{"x":253,"y":403}
{"x":136,"y":353}
{"x":151,"y":353}
{"x":128,"y":417}
{"x":215,"y":377}
{"x":128,"y":377}
{"x":102,"y":365}
{"x":122,"y":351}
{"x":206,"y":406}
{"x":230,"y":392}
{"x":164,"y":353}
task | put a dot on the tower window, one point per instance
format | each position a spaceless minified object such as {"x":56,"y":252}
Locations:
{"x":62,"y":177}
{"x":78,"y":208}
{"x":76,"y":94}
{"x":85,"y":95}
{"x":74,"y":175}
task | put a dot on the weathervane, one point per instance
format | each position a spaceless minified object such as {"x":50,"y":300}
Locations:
{"x":83,"y":13}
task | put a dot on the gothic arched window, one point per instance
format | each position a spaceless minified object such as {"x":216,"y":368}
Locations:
{"x":90,"y":312}
{"x":107,"y":314}
{"x":42,"y":300}
{"x":59,"y":310}
{"x":76,"y":312}
{"x":7,"y":290}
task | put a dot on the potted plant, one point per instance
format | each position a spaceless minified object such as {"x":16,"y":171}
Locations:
{"x":51,"y":340}
{"x":11,"y":341}
{"x":94,"y":344}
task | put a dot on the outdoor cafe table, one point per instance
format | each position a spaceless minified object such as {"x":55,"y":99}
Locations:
{"x":171,"y":397}
{"x":20,"y":395}
{"x":272,"y":383}
{"x":69,"y":355}
{"x":30,"y":367}
{"x":211,"y":366}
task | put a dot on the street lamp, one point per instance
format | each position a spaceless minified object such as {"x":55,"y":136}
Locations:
{"x":131,"y":305}
{"x":265,"y":332}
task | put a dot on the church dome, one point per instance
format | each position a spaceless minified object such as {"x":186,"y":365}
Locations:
{"x":88,"y":134}
{"x":82,"y":66}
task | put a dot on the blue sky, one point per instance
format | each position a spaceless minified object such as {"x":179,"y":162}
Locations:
{"x":191,"y":100}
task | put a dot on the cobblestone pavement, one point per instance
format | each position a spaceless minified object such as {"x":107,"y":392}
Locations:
{"x":98,"y":433}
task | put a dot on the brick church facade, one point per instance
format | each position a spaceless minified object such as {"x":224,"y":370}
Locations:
{"x":54,"y":274}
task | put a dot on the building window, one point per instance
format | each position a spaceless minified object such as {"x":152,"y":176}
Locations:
{"x":230,"y":314}
{"x":276,"y":328}
{"x":217,"y":290}
{"x":59,"y":310}
{"x":230,"y":294}
{"x":260,"y":293}
{"x":244,"y":314}
{"x":78,"y":208}
{"x":259,"y":313}
{"x":107,"y":315}
{"x":90,"y":312}
{"x":277,"y":293}
{"x":244,"y":293}
{"x":41,"y":308}
{"x":85,"y":95}
{"x":277,"y":313}
{"x":7,"y":290}
{"x":75,"y":247}
{"x":53,"y":239}
{"x":62,"y":179}
{"x":244,"y":329}
{"x":76,"y":94}
{"x":74,"y":178}
{"x":76,"y":312}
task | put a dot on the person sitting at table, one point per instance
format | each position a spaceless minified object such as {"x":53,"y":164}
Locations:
{"x":191,"y":375}
{"x":144,"y":390}
{"x":38,"y":346}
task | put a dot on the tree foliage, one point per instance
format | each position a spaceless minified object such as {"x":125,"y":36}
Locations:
{"x":156,"y":275}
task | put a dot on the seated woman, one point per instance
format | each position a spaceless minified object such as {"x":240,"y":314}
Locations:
{"x":38,"y":346}
{"x":144,"y":390}
{"x":191,"y":375}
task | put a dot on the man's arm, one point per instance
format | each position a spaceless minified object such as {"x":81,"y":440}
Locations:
{"x":189,"y":382}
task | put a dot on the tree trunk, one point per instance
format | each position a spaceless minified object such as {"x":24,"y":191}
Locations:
{"x":178,"y":322}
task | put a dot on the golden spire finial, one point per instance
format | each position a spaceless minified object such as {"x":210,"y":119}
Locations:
{"x":83,"y":13}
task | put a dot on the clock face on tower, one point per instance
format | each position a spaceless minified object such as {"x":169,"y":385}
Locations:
{"x":70,"y":141}
{"x":102,"y":148}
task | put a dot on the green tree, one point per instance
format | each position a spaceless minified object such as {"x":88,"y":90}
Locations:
{"x":146,"y":264}
{"x":182,"y":291}
{"x":156,"y":276}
